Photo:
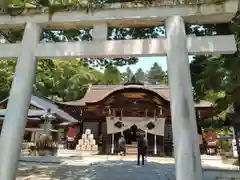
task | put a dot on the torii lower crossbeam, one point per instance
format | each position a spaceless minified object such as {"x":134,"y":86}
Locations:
{"x":126,"y":48}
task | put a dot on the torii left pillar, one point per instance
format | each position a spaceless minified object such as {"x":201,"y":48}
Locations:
{"x":18,"y":103}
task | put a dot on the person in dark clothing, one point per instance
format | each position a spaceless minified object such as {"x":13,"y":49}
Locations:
{"x":64,"y":142}
{"x":122,"y":145}
{"x":142,"y":149}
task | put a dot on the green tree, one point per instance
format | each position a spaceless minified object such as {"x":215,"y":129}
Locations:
{"x":112,"y":75}
{"x":217,"y":78}
{"x":66,"y":80}
{"x":156,"y":75}
{"x":56,"y":79}
{"x":140,"y":75}
{"x":126,"y":76}
{"x":7,"y":68}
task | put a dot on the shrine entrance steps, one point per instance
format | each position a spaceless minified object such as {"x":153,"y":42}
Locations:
{"x":131,"y":149}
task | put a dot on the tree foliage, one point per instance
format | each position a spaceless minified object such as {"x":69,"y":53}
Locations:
{"x":140,"y":75}
{"x":6,"y":74}
{"x":65,"y":79}
{"x":56,"y":79}
{"x":112,"y":75}
{"x":127,"y":75}
{"x":156,"y":75}
{"x":218,"y":77}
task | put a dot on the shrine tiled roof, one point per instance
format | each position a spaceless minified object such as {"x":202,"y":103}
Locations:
{"x":42,"y":105}
{"x":97,"y":93}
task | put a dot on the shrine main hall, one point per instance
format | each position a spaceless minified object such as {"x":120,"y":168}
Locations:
{"x":130,"y":109}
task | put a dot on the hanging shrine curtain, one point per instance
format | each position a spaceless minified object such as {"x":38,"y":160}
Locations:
{"x":151,"y":125}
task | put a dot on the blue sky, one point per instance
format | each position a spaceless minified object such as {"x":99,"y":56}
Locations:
{"x":146,"y":63}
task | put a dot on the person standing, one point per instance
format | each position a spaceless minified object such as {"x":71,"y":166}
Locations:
{"x":122,"y":145}
{"x":142,"y":145}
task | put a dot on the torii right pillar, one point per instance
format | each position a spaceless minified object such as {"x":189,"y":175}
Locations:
{"x":186,"y":143}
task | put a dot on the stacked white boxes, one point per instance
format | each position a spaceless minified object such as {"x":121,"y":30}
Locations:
{"x":87,"y":143}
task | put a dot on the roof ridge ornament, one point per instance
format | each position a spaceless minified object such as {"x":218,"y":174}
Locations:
{"x":133,"y":81}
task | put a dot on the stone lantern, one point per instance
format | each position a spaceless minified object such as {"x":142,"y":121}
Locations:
{"x":45,"y":144}
{"x":47,"y":121}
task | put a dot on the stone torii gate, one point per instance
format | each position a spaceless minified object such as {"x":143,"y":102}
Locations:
{"x":176,"y":45}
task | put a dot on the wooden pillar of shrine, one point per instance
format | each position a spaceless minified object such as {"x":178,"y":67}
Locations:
{"x":162,"y":153}
{"x":112,"y":143}
{"x":81,"y":125}
{"x":100,"y":127}
{"x":155,"y":136}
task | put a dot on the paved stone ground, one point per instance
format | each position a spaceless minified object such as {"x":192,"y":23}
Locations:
{"x":103,"y":168}
{"x":108,"y":170}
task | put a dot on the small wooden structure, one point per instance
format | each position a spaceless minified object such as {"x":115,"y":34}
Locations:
{"x":35,"y":122}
